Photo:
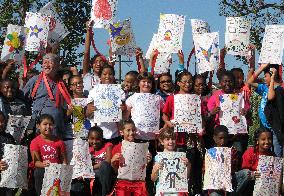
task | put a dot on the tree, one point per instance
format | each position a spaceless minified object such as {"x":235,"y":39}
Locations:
{"x":74,"y":15}
{"x":259,"y":12}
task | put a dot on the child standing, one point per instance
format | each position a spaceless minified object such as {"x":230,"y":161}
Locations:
{"x":167,"y":138}
{"x":101,"y":156}
{"x":130,"y":83}
{"x":126,"y":187}
{"x":220,"y":137}
{"x":110,"y":130}
{"x":246,"y":177}
{"x":45,"y":149}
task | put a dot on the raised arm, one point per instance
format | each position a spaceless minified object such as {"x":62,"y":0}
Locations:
{"x":86,"y":58}
{"x":271,"y":90}
{"x":140,"y":60}
{"x":251,"y":80}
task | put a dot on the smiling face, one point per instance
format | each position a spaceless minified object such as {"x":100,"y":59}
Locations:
{"x":107,"y":76}
{"x":227,"y":84}
{"x":199,"y":86}
{"x":95,"y":140}
{"x":185,"y":84}
{"x":166,"y":84}
{"x":145,"y":86}
{"x":264,"y":141}
{"x":129,"y":82}
{"x":76,"y":85}
{"x":169,"y":144}
{"x":49,"y":67}
{"x":46,"y":127}
{"x":97,"y":64}
{"x":128,"y":132}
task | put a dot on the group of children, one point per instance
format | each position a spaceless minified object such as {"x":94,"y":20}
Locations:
{"x":46,"y":93}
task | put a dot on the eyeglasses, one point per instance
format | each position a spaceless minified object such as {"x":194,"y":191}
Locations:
{"x":76,"y":84}
{"x":166,"y":81}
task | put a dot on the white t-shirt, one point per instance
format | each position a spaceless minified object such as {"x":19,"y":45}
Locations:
{"x":110,"y":129}
{"x":145,"y":112}
{"x":90,"y":80}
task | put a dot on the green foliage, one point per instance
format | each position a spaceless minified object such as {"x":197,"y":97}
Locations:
{"x":259,"y":12}
{"x":73,"y":13}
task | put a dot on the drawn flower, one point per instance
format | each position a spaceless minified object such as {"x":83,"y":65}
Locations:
{"x":236,"y":119}
{"x":234,"y":97}
{"x":35,"y":30}
{"x":15,"y":42}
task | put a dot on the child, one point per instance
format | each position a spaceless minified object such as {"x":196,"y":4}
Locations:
{"x":146,"y":84}
{"x":110,"y":129}
{"x":167,"y":138}
{"x":10,"y":103}
{"x":96,"y":63}
{"x":5,"y":138}
{"x":262,"y":90}
{"x":165,"y":85}
{"x":45,"y":149}
{"x":227,"y":87}
{"x":245,"y":177}
{"x":130,"y":83}
{"x":126,"y":187}
{"x":190,"y":143}
{"x":101,"y":156}
{"x":274,"y":111}
{"x":220,"y":137}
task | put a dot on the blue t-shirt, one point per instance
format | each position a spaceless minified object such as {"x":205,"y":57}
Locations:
{"x":262,"y":90}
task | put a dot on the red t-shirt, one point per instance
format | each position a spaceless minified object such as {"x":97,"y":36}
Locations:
{"x":48,"y":151}
{"x":100,"y":155}
{"x":169,"y":111}
{"x":251,"y":157}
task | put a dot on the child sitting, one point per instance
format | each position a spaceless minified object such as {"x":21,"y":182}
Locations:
{"x":246,"y":177}
{"x":101,"y":156}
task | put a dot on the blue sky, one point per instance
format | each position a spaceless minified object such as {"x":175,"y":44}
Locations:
{"x":145,"y":21}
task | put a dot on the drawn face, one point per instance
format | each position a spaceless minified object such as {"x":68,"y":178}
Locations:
{"x":185,"y":84}
{"x":122,"y":39}
{"x":171,"y":165}
{"x":8,"y":90}
{"x":49,"y":67}
{"x":169,"y":144}
{"x":145,"y":86}
{"x":129,"y":132}
{"x":46,"y":127}
{"x":97,"y":64}
{"x":129,"y":82}
{"x":2,"y":123}
{"x":221,"y":139}
{"x":107,"y":76}
{"x":166,"y":84}
{"x":76,"y":85}
{"x":95,"y":140}
{"x":264,"y":141}
{"x":227,"y":84}
{"x":199,"y":86}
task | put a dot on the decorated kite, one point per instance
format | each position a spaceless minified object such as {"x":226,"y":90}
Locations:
{"x":170,"y":33}
{"x":14,"y":44}
{"x":122,"y":38}
{"x":38,"y":26}
{"x":237,"y":35}
{"x":207,"y":51}
{"x":103,"y":12}
{"x":57,"y":29}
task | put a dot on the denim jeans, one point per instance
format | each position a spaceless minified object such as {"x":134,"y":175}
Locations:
{"x":277,"y":146}
{"x":245,"y":183}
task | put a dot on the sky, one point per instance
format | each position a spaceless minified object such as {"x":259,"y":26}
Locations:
{"x":145,"y":22}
